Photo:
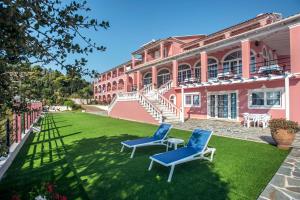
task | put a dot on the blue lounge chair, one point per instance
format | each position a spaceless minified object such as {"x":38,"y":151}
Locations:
{"x":195,"y":149}
{"x":158,"y":138}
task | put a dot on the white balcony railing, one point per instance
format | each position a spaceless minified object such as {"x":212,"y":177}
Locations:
{"x":127,"y":96}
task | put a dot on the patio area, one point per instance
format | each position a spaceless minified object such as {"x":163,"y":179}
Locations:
{"x":228,"y":129}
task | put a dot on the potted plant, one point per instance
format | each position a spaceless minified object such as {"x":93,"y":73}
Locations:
{"x":283,"y":132}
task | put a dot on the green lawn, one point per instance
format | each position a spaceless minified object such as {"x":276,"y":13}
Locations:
{"x":80,"y":153}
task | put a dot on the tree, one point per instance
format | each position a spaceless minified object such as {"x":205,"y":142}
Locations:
{"x":43,"y":32}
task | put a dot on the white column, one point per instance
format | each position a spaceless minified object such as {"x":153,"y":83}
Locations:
{"x":182,"y":105}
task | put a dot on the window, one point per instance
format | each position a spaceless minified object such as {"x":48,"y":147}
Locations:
{"x":156,"y":54}
{"x":212,"y":68}
{"x":173,"y":99}
{"x":273,"y":98}
{"x":198,"y":71}
{"x":233,"y":63}
{"x":252,"y":63}
{"x":147,"y":79}
{"x":192,"y":99}
{"x":165,"y":52}
{"x":184,"y":72}
{"x":266,"y":98}
{"x":163,"y":77}
{"x":258,"y":99}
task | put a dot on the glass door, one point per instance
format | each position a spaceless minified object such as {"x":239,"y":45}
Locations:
{"x":162,"y":79}
{"x":233,"y":106}
{"x":223,"y":106}
{"x":212,"y":105}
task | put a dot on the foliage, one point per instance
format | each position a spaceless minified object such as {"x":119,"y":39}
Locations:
{"x":44,"y":32}
{"x":276,"y":124}
{"x":3,"y":150}
{"x":52,"y":86}
{"x":81,"y":153}
{"x":46,"y":191}
{"x":69,"y":103}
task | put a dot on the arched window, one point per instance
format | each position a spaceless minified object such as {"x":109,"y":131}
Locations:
{"x":233,"y":63}
{"x":212,"y":67}
{"x":173,"y":99}
{"x":184,"y":72}
{"x":120,"y":84}
{"x":163,"y":76}
{"x":265,"y":56}
{"x":198,"y":71}
{"x":147,"y":78}
{"x":252,"y":62}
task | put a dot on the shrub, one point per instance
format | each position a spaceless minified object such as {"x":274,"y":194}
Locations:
{"x":290,"y":126}
{"x":69,"y":103}
{"x":76,"y":107}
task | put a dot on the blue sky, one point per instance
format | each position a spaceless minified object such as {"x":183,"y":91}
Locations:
{"x":135,"y":22}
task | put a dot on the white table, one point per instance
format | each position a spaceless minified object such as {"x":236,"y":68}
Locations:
{"x":174,"y":142}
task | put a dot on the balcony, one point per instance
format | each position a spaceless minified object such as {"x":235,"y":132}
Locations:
{"x":271,"y":67}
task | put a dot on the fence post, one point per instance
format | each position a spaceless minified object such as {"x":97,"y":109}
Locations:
{"x":15,"y":127}
{"x":28,"y":120}
{"x":7,"y":133}
{"x":19,"y":129}
{"x":25,"y":121}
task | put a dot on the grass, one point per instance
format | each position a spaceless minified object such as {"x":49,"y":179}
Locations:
{"x":80,"y":153}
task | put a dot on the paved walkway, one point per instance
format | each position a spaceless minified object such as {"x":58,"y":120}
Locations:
{"x":228,"y":129}
{"x":94,"y":110}
{"x":285,"y":185}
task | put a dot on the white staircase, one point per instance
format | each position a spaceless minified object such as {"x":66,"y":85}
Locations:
{"x":170,"y":113}
{"x":159,"y":107}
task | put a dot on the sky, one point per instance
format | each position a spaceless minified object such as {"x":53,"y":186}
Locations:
{"x":136,"y":22}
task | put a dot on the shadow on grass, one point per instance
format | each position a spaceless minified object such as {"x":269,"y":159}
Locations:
{"x":94,"y":168}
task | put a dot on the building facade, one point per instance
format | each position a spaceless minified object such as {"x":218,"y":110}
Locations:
{"x":251,"y":67}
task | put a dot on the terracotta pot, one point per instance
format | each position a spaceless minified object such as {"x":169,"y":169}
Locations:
{"x":283,"y":138}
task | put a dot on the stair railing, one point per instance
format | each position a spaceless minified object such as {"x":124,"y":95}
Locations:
{"x":165,"y":87}
{"x":168,"y":104}
{"x":147,"y":89}
{"x":144,"y":101}
{"x":112,"y":103}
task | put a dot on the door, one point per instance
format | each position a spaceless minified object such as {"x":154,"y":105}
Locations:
{"x":223,"y":106}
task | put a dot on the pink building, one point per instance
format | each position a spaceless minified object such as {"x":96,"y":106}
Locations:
{"x":251,"y":67}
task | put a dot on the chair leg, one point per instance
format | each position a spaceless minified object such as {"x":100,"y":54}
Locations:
{"x":122,"y":149}
{"x":212,"y":155}
{"x":150,"y":166}
{"x":171,"y":173}
{"x":132,"y":153}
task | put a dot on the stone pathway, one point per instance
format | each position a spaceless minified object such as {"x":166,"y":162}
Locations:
{"x":228,"y":129}
{"x":285,"y":184}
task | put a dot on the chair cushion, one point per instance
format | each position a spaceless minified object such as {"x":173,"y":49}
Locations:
{"x":162,"y":131}
{"x":199,"y":139}
{"x":139,"y":141}
{"x":175,"y":155}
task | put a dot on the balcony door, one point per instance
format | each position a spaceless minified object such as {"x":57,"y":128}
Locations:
{"x":147,"y":80}
{"x":163,"y":77}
